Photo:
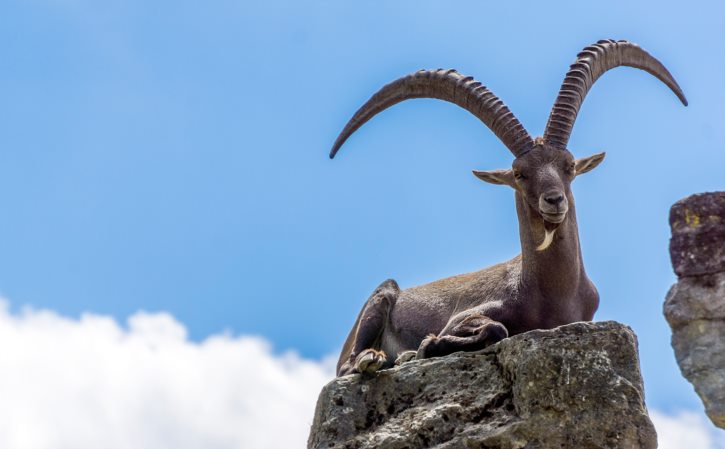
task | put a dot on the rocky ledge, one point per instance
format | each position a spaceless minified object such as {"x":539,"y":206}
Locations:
{"x":576,"y":386}
{"x":695,"y":306}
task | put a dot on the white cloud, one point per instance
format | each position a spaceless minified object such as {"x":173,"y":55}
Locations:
{"x":90,"y":383}
{"x":686,"y":430}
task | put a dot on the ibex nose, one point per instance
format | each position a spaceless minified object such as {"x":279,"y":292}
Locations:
{"x":554,"y":198}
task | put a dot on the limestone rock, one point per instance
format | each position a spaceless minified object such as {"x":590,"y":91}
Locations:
{"x":695,"y":306}
{"x":576,"y":386}
{"x":695,"y":309}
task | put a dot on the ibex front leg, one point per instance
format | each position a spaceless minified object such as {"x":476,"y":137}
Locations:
{"x":365,"y":355}
{"x":467,"y":331}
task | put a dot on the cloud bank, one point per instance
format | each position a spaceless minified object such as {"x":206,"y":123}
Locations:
{"x":686,"y":430}
{"x":91,"y":383}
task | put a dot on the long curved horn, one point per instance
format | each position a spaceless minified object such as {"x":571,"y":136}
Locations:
{"x":590,"y":64}
{"x":450,"y":86}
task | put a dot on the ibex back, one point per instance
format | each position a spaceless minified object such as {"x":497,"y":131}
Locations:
{"x":543,"y":287}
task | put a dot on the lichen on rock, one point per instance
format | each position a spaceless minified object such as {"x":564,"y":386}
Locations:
{"x":697,"y":246}
{"x":576,"y":386}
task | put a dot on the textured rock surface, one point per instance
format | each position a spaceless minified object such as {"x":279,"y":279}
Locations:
{"x":697,"y":246}
{"x":576,"y":386}
{"x":695,"y":306}
{"x":695,"y":309}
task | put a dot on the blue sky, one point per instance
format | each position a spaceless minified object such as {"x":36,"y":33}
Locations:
{"x":172,"y":157}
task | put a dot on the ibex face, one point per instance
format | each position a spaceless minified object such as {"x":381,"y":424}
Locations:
{"x":543,"y":176}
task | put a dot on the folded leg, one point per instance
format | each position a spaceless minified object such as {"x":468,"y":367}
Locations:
{"x":361,"y":352}
{"x":468,"y":331}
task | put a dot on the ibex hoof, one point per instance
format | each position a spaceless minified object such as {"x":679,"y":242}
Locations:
{"x":405,"y":356}
{"x":369,"y":361}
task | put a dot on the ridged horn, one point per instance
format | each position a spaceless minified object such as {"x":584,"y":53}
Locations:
{"x":590,"y":64}
{"x":451,"y":86}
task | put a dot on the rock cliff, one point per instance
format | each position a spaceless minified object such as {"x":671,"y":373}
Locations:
{"x":695,"y":306}
{"x":576,"y":386}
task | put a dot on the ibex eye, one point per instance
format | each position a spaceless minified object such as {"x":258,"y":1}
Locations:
{"x":518,"y":175}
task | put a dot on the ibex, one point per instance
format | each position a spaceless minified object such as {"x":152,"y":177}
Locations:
{"x":543,"y":287}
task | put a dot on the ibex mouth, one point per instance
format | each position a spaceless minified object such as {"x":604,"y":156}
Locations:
{"x":554,"y":218}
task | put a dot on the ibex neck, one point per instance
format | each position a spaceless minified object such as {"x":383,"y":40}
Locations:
{"x":555,"y":271}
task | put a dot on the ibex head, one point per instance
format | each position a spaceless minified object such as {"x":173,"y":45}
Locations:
{"x":543,"y":168}
{"x":543,"y":177}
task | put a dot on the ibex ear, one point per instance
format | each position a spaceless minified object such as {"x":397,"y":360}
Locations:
{"x":586,"y":164}
{"x":496,"y":176}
